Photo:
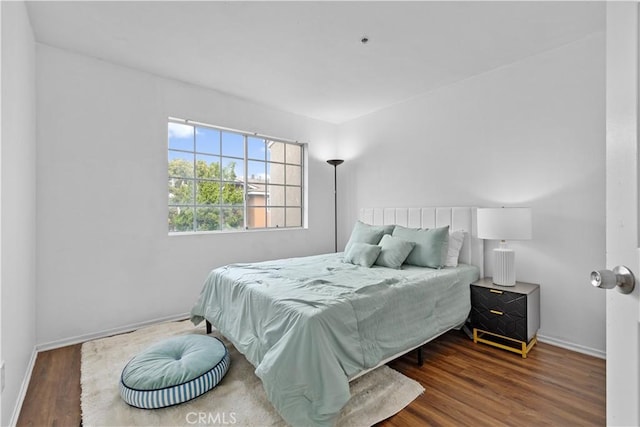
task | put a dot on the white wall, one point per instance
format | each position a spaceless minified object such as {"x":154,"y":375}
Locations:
{"x":528,"y":134}
{"x":18,"y":208}
{"x":105,"y":260}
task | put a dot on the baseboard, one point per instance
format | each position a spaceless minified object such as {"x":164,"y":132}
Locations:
{"x":573,"y":347}
{"x":23,"y":389}
{"x":108,"y":332}
{"x":76,"y":340}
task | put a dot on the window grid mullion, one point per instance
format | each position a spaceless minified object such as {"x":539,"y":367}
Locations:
{"x":220,"y":192}
{"x":285,"y":185}
{"x":195,"y":182}
{"x":301,"y":161}
{"x":245,"y":210}
{"x":265,"y":183}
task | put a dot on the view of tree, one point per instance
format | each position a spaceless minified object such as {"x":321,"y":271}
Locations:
{"x":214,"y":187}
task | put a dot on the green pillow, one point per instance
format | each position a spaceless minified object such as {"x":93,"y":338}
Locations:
{"x":388,"y":229}
{"x":394,"y":251}
{"x":362,"y":254}
{"x":429,"y":245}
{"x":365,"y":233}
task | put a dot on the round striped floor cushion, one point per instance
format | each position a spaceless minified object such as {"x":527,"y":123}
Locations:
{"x":174,"y":371}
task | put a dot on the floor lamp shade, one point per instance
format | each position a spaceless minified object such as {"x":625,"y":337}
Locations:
{"x":504,"y":224}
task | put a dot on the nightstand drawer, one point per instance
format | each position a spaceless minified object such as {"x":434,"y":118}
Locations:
{"x":512,"y":303}
{"x":500,"y":322}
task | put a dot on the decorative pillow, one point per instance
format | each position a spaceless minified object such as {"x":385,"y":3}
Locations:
{"x":429,"y":243}
{"x":365,"y":233}
{"x":388,"y":229}
{"x":456,"y":239}
{"x":362,"y":254}
{"x":174,"y":371}
{"x":394,"y":251}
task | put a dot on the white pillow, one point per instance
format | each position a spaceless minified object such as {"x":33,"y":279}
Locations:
{"x":456,"y":239}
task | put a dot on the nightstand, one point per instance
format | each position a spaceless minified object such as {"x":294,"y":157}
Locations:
{"x":506,"y":317}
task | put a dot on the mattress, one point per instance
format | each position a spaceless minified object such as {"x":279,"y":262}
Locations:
{"x":310,"y":324}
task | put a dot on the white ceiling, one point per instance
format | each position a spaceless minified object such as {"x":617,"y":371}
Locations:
{"x":306,"y":57}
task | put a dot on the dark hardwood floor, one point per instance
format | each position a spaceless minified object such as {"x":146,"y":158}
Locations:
{"x":53,"y":396}
{"x":477,"y":385}
{"x":465,"y":384}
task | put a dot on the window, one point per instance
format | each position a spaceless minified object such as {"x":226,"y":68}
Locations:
{"x":222,"y":179}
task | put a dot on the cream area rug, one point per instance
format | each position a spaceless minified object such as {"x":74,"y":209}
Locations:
{"x":238,"y":399}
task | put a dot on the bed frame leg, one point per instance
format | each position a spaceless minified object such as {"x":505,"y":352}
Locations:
{"x":420,"y":361}
{"x":208,"y":326}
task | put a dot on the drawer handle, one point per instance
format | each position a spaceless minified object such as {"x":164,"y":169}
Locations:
{"x":499,"y":313}
{"x":495,"y":291}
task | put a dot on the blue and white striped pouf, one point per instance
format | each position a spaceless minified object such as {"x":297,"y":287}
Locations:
{"x":174,"y":371}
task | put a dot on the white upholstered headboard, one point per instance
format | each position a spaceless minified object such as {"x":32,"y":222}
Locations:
{"x":457,"y":218}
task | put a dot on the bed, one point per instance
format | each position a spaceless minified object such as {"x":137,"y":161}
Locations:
{"x":310,"y":325}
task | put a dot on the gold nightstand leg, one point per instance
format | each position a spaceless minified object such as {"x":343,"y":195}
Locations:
{"x":523,"y":348}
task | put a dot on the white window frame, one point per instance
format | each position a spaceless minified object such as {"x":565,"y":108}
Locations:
{"x":245,"y":160}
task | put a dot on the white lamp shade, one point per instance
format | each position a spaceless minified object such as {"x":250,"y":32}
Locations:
{"x":504,"y":223}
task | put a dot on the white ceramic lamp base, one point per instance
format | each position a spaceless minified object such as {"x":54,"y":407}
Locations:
{"x":504,"y":267}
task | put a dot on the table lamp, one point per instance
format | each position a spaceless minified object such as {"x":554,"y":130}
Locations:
{"x":504,"y":224}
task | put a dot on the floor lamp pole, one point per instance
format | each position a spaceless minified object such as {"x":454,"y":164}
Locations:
{"x":335,"y":163}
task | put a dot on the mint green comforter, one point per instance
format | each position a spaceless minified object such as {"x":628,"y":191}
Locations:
{"x":310,"y":324}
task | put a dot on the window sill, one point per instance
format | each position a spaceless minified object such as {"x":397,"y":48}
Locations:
{"x":253,"y":230}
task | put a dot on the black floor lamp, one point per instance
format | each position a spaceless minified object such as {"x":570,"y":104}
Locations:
{"x":335,"y":163}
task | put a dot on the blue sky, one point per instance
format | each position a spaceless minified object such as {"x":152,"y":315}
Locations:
{"x":211,"y":143}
